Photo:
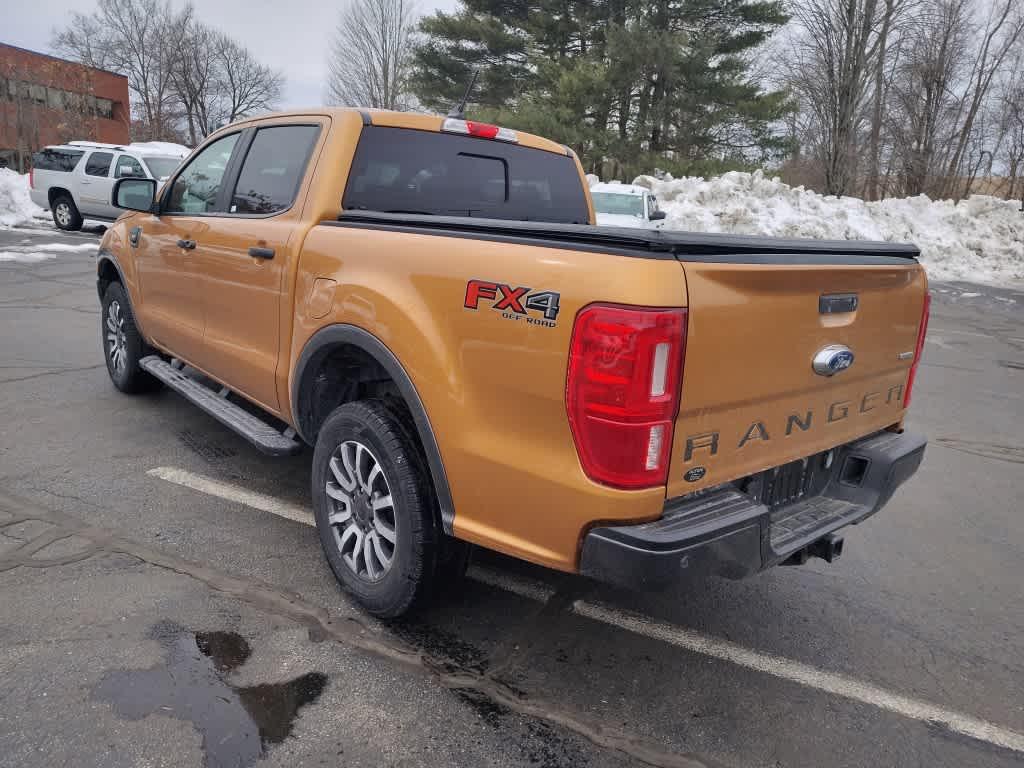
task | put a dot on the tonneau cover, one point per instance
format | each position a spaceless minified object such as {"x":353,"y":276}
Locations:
{"x":652,"y":243}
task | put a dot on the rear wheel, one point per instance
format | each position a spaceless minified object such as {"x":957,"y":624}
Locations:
{"x":123,"y":345}
{"x":65,"y":214}
{"x":374,"y":508}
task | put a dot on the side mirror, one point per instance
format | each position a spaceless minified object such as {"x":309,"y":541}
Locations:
{"x":657,"y":215}
{"x":134,"y":194}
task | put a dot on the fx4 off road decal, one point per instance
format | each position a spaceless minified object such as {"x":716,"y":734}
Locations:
{"x":538,"y":308}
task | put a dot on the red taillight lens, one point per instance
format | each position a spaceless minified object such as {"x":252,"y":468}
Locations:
{"x":483,"y":130}
{"x":921,"y":331}
{"x":622,"y":393}
{"x":31,"y":179}
{"x":480,"y":130}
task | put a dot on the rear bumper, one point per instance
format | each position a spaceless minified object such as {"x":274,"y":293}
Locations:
{"x":731,"y":533}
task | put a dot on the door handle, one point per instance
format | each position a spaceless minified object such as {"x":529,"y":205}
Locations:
{"x":188,"y":245}
{"x":261,"y":253}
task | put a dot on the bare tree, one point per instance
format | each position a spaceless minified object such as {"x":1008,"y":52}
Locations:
{"x":139,"y":38}
{"x":186,"y":79}
{"x":193,"y":77}
{"x":922,"y":101}
{"x":1000,"y":36}
{"x":833,"y":59}
{"x":218,"y":81}
{"x":886,"y":54}
{"x":1011,"y":125}
{"x":371,"y":55}
{"x":243,"y":85}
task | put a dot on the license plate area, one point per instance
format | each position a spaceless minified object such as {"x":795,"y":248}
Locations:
{"x":781,"y":486}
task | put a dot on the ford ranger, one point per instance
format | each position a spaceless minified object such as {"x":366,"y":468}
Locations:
{"x":427,"y":303}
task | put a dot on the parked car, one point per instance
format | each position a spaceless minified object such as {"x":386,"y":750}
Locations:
{"x":428,"y":303}
{"x":75,"y":180}
{"x":625,"y":205}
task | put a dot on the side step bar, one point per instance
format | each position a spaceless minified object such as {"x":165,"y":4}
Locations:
{"x":258,"y":432}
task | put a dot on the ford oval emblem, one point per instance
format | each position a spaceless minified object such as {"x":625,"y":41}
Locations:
{"x":832,"y":359}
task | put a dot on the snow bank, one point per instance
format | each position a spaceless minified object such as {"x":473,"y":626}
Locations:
{"x":16,"y":207}
{"x":981,"y":239}
{"x":161,"y":148}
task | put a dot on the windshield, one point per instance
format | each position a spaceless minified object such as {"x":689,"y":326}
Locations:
{"x":161,"y":167}
{"x":613,"y":202}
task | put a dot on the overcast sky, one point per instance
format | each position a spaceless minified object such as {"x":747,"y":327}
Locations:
{"x":290,"y":35}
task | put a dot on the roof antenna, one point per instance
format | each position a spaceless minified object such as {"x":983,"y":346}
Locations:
{"x":458,"y":112}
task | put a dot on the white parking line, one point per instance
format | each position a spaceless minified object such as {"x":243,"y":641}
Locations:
{"x":688,"y":639}
{"x":234,"y":493}
{"x":804,"y":674}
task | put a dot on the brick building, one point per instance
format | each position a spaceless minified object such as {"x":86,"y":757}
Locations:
{"x":46,"y":100}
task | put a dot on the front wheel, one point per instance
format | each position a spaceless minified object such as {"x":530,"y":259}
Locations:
{"x":374,"y":508}
{"x":123,"y":345}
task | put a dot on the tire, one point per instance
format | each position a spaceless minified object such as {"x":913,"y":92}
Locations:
{"x":65,"y":214}
{"x":388,"y":578}
{"x":123,"y":345}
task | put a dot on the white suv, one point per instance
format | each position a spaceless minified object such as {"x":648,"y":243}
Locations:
{"x":74,"y":180}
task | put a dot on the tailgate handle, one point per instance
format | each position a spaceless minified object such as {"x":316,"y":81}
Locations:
{"x":835,"y":303}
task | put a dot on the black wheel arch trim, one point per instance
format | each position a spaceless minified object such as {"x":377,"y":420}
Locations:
{"x":342,"y":333}
{"x":106,"y":256}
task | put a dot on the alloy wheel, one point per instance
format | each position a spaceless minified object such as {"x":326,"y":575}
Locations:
{"x":63,"y":214}
{"x":116,"y":341}
{"x":362,"y":512}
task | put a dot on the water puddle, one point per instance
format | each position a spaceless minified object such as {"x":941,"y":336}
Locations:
{"x":236,"y":723}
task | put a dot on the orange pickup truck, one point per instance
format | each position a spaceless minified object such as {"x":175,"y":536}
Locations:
{"x":427,"y":302}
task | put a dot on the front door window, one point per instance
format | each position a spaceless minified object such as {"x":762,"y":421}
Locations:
{"x":196,"y":188}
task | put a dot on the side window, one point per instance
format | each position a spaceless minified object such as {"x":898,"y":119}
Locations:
{"x":98,"y":163}
{"x":63,"y":160}
{"x":195,"y":188}
{"x":273,"y":169}
{"x":128,"y":167}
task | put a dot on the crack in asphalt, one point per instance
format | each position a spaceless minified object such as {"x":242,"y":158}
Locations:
{"x":51,"y":307}
{"x":984,"y":449}
{"x":351,"y":631}
{"x":53,"y":372}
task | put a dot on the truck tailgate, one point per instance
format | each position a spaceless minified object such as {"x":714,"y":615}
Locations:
{"x":750,"y":397}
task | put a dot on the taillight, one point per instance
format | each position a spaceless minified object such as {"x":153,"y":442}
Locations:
{"x":926,"y":311}
{"x":480,"y":130}
{"x":31,"y":179}
{"x":622,"y":393}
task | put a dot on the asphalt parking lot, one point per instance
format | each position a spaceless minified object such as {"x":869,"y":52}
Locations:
{"x":163,"y":600}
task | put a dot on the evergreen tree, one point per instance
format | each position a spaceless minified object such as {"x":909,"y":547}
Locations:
{"x":628,"y":84}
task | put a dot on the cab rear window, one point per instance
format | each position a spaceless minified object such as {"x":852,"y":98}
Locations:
{"x":399,"y":170}
{"x":63,"y":160}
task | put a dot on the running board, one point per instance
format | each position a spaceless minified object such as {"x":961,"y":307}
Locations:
{"x":258,"y":432}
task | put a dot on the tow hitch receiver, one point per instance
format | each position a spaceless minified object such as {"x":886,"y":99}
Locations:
{"x":828,"y":548}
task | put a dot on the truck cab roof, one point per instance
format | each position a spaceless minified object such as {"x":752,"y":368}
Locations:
{"x":413,"y":120}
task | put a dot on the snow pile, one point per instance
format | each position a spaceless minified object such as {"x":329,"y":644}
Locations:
{"x":16,"y":207}
{"x":981,"y":239}
{"x":160,"y":148}
{"x":44,"y":251}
